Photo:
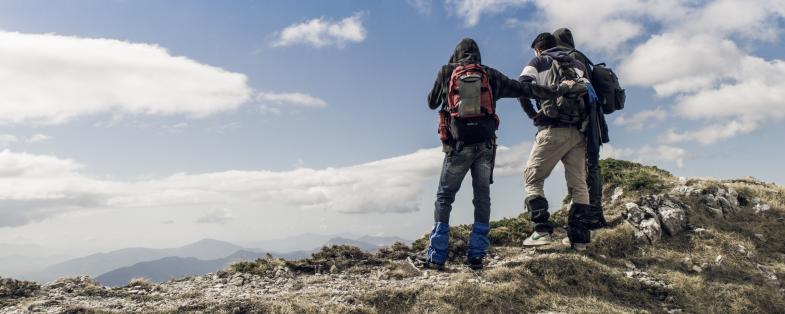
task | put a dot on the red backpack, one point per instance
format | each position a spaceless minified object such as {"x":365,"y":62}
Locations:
{"x":470,"y":115}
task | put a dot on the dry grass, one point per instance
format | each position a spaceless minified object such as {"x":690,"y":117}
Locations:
{"x":142,"y":283}
{"x":725,"y":268}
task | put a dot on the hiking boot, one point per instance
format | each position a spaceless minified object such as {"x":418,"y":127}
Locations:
{"x":595,"y":218}
{"x":423,"y":263}
{"x":475,"y":263}
{"x":576,"y":246}
{"x":580,"y":247}
{"x":538,"y":239}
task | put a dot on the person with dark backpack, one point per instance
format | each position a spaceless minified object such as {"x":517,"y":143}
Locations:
{"x":466,"y":92}
{"x":611,"y":97}
{"x":560,"y":122}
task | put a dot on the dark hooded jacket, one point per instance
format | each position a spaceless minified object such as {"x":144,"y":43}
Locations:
{"x":536,"y":71}
{"x":597,"y":130}
{"x":467,"y":52}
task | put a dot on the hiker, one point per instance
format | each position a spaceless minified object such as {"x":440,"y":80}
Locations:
{"x":596,"y":131}
{"x":467,"y":91}
{"x":559,"y":123}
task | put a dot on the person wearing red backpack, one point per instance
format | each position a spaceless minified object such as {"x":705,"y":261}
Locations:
{"x":467,"y":91}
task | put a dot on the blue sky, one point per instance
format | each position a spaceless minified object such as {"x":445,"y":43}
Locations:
{"x":131,"y":136}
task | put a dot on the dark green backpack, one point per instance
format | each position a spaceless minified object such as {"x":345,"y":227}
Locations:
{"x":568,"y":107}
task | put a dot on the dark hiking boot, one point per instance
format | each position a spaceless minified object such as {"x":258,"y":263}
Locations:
{"x":475,"y":263}
{"x":595,"y":218}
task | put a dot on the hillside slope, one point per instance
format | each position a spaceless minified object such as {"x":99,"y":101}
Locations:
{"x":674,"y":245}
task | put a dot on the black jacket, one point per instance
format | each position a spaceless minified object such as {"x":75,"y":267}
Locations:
{"x":467,"y":52}
{"x":597,"y":130}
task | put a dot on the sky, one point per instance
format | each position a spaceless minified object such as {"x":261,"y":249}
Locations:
{"x":159,"y":123}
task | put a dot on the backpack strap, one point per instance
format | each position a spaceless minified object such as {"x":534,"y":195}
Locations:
{"x":584,"y":57}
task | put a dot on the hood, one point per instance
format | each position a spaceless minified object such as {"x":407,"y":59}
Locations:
{"x":564,"y":38}
{"x":558,"y":53}
{"x":466,"y":52}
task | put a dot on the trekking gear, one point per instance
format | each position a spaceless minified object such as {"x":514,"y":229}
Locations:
{"x":610,"y":94}
{"x":439,"y":243}
{"x":493,"y":157}
{"x":444,"y":126}
{"x":595,"y":218}
{"x":580,"y":247}
{"x":577,"y":222}
{"x":470,"y":116}
{"x":575,"y":246}
{"x":469,"y":94}
{"x":475,"y":263}
{"x":478,"y":239}
{"x":606,"y":83}
{"x":538,"y":239}
{"x":538,"y":210}
{"x":568,"y":106}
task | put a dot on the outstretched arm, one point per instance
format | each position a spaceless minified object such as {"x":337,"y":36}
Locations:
{"x":504,"y":87}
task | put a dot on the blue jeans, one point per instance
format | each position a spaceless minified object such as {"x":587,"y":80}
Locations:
{"x":477,"y":159}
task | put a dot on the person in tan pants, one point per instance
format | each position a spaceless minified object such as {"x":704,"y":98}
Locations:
{"x":558,"y":139}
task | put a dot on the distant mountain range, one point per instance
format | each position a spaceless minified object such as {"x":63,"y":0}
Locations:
{"x":118,"y":267}
{"x":171,"y":267}
{"x":97,"y":264}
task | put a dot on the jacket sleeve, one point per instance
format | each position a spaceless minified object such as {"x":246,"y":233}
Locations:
{"x":526,"y":103}
{"x":436,"y":96}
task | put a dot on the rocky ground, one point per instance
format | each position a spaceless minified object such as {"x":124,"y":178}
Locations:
{"x":673,"y":246}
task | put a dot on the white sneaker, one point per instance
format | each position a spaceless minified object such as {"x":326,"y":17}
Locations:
{"x":565,"y":241}
{"x":538,"y":239}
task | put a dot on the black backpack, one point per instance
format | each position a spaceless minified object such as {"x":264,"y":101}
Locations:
{"x":606,"y":84}
{"x":609,"y":91}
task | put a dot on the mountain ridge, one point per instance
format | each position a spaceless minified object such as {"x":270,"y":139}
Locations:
{"x":673,"y":245}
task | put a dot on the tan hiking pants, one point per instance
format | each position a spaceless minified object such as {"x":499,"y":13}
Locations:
{"x":550,"y":146}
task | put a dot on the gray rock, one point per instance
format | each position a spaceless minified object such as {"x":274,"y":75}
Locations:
{"x":637,"y":214}
{"x":725,"y":205}
{"x":717,"y":212}
{"x":761,"y":207}
{"x":617,"y":193}
{"x":673,"y":219}
{"x":711,"y":201}
{"x":652,"y":229}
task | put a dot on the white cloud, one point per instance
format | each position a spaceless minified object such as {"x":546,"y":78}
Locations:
{"x":39,"y":138}
{"x":711,"y":133}
{"x":656,"y":154}
{"x":642,"y":119}
{"x":7,"y":139}
{"x":472,"y":10}
{"x":34,"y":187}
{"x":217,"y":216}
{"x":676,"y":63}
{"x":702,"y":60}
{"x":422,"y":6}
{"x":52,"y":79}
{"x":321,"y":32}
{"x":605,"y":25}
{"x":274,"y":102}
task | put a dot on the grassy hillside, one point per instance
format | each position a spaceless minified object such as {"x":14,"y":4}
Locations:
{"x":722,"y":253}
